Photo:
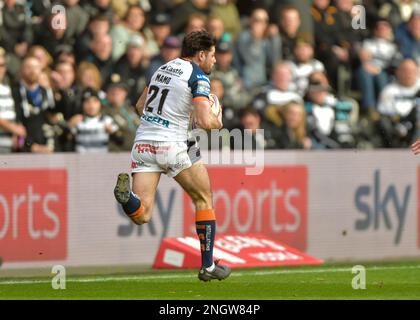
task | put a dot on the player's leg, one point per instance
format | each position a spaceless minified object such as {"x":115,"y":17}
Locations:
{"x":137,"y":203}
{"x":196,"y":182}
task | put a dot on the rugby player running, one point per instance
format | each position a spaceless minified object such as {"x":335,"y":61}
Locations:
{"x":177,"y":93}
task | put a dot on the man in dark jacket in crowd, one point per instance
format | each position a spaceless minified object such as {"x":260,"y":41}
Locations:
{"x":123,"y":114}
{"x":183,"y":11}
{"x":33,"y":108}
{"x":15,"y":28}
{"x":131,"y":67}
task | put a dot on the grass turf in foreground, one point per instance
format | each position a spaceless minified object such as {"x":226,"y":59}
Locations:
{"x":383,"y":281}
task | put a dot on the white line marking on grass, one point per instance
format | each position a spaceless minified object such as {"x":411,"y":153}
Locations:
{"x":241,"y":273}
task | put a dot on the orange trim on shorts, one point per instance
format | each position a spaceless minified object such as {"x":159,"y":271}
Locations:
{"x":201,"y":99}
{"x":205,"y":215}
{"x":138,"y":213}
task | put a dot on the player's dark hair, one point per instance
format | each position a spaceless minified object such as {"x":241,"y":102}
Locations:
{"x":195,"y":42}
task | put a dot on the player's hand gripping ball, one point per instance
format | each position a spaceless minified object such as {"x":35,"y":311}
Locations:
{"x":215,"y":105}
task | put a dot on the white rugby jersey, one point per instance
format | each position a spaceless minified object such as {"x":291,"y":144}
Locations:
{"x":398,"y":100}
{"x":168,"y":107}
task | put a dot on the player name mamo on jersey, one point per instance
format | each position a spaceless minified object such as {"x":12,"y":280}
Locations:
{"x":168,"y":106}
{"x":163,"y":79}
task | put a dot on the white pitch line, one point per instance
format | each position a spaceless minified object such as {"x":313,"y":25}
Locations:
{"x":139,"y":278}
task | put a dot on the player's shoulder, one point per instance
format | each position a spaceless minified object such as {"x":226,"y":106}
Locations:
{"x":197,"y":74}
{"x":177,"y":68}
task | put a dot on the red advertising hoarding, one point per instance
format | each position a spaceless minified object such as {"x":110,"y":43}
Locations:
{"x":33,"y":215}
{"x":274,"y":203}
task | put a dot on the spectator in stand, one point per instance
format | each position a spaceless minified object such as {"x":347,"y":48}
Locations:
{"x":160,"y":25}
{"x":44,"y":58}
{"x":46,"y":83}
{"x":49,"y":37}
{"x":217,"y":87}
{"x":100,"y":7}
{"x":15,"y":28}
{"x":93,"y":130}
{"x":349,"y":36}
{"x":304,"y":9}
{"x":257,"y":50}
{"x":398,"y":106}
{"x":329,"y":118}
{"x":408,"y":37}
{"x":120,"y":7}
{"x":245,"y":7}
{"x":235,"y":96}
{"x":33,"y":108}
{"x":216,"y":28}
{"x":39,"y":9}
{"x":98,"y":27}
{"x":195,"y":22}
{"x":76,"y":21}
{"x":275,"y":96}
{"x":66,"y":95}
{"x":289,"y":23}
{"x":10,"y":130}
{"x":304,"y":64}
{"x":65,"y":53}
{"x":227,"y":11}
{"x":248,"y":53}
{"x":7,"y":78}
{"x":67,"y":102}
{"x":166,"y":6}
{"x":123,"y":114}
{"x":397,"y":12}
{"x":132,"y":68}
{"x":376,"y":56}
{"x":331,"y":46}
{"x":293,"y":131}
{"x":256,"y":133}
{"x":101,"y":55}
{"x":89,"y":77}
{"x":171,"y":50}
{"x":134,"y":23}
{"x":183,"y":11}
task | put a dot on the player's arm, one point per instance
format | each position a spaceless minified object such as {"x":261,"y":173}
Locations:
{"x":141,"y":102}
{"x":204,"y":117}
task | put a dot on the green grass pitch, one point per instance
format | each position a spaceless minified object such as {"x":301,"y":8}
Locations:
{"x":331,"y":281}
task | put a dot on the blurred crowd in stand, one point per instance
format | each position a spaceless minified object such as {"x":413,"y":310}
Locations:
{"x":315,"y":74}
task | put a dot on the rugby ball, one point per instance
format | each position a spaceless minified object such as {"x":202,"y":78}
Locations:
{"x":215,"y":105}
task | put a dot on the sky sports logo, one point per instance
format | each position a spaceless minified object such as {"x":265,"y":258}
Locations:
{"x":383,"y":206}
{"x":33,"y":215}
{"x":274,"y":203}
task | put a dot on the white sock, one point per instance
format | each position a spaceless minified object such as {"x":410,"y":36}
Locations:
{"x":211,"y":268}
